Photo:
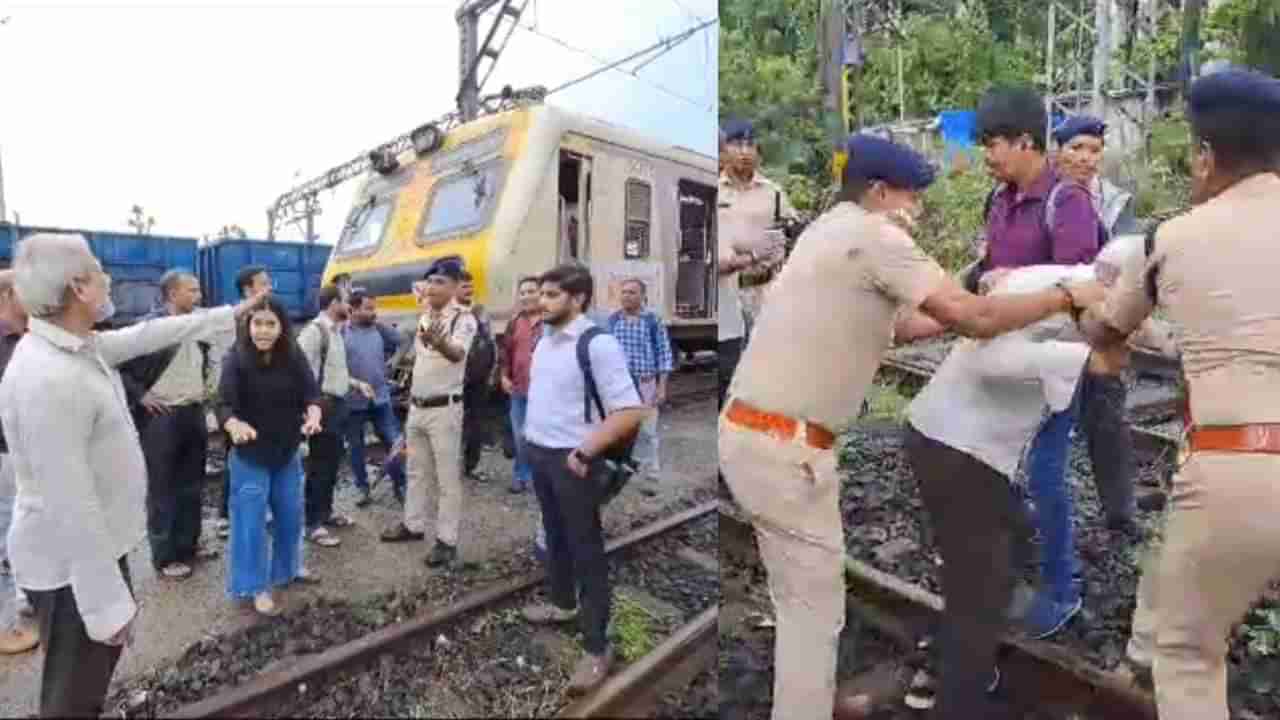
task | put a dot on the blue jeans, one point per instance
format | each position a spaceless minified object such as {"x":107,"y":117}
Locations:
{"x":394,"y":468}
{"x":1047,"y":466}
{"x":253,"y":488}
{"x":385,"y":427}
{"x":522,"y":475}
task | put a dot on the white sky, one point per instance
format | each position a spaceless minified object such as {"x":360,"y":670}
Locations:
{"x":204,"y":112}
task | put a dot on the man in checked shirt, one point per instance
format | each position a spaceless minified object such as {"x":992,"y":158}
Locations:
{"x":644,"y":340}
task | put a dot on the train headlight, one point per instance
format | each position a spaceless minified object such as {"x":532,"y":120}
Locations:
{"x":384,"y":162}
{"x":426,"y":139}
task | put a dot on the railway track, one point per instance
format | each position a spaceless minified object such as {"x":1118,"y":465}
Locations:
{"x":1035,"y":675}
{"x":630,"y":692}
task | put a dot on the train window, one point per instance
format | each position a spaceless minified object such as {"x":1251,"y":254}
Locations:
{"x":365,"y":226}
{"x":638,"y":219}
{"x":462,"y":202}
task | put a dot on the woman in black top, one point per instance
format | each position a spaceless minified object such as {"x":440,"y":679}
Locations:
{"x":268,"y":403}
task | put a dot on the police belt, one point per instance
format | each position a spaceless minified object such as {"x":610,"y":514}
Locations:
{"x":435,"y":401}
{"x":1259,"y":438}
{"x":779,"y":426}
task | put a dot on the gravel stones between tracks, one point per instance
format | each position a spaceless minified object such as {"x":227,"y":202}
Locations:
{"x":884,"y":524}
{"x":499,"y":650}
{"x":494,"y":664}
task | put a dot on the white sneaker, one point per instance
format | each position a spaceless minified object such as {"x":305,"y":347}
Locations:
{"x":265,"y":604}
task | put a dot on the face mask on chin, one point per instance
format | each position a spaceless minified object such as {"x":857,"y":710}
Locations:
{"x":105,"y":312}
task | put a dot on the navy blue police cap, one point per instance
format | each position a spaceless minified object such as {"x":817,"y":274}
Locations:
{"x":738,"y":130}
{"x":1235,"y":89}
{"x":1077,"y":125}
{"x":448,"y":267}
{"x":879,"y":159}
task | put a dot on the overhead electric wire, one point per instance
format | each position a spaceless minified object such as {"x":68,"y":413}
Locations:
{"x":662,"y":46}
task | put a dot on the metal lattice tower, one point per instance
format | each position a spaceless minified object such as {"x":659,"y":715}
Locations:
{"x":1084,"y":70}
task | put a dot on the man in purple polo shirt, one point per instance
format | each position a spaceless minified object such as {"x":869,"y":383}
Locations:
{"x":1037,"y":217}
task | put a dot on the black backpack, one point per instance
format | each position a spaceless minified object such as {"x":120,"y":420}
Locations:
{"x":621,"y":467}
{"x":481,"y":356}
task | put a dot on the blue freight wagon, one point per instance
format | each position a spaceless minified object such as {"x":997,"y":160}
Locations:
{"x":135,"y":263}
{"x":295,"y":268}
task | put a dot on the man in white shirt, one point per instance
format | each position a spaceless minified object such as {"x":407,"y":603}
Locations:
{"x":967,"y":434}
{"x":565,"y":449}
{"x":80,"y":471}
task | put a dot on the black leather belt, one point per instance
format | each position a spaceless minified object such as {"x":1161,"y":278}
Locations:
{"x":434,"y":401}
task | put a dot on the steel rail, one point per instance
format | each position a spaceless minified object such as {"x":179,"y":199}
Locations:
{"x":634,"y":691}
{"x":1052,"y":674}
{"x":275,"y":687}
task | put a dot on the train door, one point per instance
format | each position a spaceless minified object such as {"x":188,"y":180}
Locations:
{"x":696,"y":256}
{"x":574,"y":226}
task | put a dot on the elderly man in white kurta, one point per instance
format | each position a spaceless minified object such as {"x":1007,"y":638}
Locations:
{"x":79,"y":469}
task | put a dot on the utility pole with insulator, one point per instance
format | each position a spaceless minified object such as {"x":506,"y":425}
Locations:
{"x":841,"y":49}
{"x":471,"y":51}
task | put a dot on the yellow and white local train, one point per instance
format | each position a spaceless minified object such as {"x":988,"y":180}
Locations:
{"x":514,"y":193}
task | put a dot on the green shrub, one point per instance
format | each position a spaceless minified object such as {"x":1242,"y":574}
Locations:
{"x":952,"y":216}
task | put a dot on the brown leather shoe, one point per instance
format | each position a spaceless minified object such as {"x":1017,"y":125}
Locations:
{"x":19,"y":638}
{"x":590,"y":671}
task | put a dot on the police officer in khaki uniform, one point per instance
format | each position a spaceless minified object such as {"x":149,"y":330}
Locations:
{"x":1213,"y":271}
{"x":750,"y":205}
{"x":433,"y":431}
{"x":854,"y":283}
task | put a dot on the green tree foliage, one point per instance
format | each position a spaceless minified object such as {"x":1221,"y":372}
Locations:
{"x":769,"y":74}
{"x":948,"y":62}
{"x":1245,"y":32}
{"x":952,"y":216}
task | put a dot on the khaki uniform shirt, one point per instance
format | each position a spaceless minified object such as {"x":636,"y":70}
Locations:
{"x":182,"y":383}
{"x":1216,"y":279}
{"x":744,"y":216}
{"x":433,"y":373}
{"x":829,"y":320}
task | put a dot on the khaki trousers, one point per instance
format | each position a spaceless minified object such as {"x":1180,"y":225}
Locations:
{"x":433,"y":437}
{"x":791,"y":493}
{"x":1218,"y":555}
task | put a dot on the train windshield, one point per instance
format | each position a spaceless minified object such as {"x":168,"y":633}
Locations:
{"x":365,"y":225}
{"x":462,"y":201}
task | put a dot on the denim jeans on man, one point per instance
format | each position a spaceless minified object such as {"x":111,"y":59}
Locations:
{"x":1047,"y":473}
{"x":385,"y":426}
{"x":521,"y":474}
{"x":254,"y":565}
